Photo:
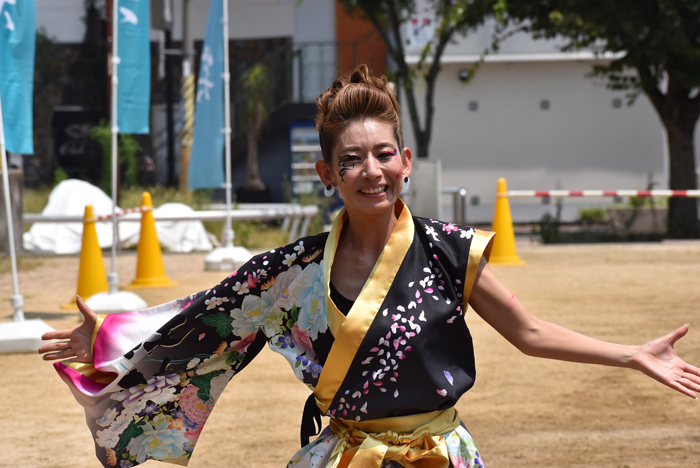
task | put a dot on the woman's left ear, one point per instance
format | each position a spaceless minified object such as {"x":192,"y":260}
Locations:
{"x":407,"y":159}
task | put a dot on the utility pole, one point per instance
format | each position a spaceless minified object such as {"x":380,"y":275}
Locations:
{"x":187,"y":90}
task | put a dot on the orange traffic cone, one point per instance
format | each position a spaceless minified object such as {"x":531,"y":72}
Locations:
{"x":503,"y":251}
{"x":149,"y":262}
{"x":92,"y":278}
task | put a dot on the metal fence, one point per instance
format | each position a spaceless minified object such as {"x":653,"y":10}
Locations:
{"x":295,"y":218}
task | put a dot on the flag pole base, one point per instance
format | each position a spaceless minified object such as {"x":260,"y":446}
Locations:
{"x":226,"y":258}
{"x":23,"y":336}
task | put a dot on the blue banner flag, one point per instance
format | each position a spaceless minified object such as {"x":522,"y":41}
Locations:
{"x":17,"y":39}
{"x":134,"y":69}
{"x":206,"y":160}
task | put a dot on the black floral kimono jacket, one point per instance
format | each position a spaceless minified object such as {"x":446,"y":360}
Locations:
{"x":388,"y":374}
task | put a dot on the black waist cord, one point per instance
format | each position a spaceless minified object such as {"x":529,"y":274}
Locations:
{"x":310,"y":420}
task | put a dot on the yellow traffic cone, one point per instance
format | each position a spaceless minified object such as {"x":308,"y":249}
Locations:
{"x":503,"y":251}
{"x":92,"y":278}
{"x":149,"y":261}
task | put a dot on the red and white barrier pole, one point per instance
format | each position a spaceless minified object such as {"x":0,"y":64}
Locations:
{"x":138,"y":209}
{"x":602,"y":193}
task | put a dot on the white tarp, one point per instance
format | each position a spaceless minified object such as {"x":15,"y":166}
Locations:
{"x":69,"y":199}
{"x":175,"y":236}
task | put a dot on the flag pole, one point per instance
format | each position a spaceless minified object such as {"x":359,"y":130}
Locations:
{"x":20,"y":335}
{"x":228,"y":231}
{"x":113,"y":276}
{"x":228,"y":256}
{"x":114,"y":300}
{"x":16,"y":299}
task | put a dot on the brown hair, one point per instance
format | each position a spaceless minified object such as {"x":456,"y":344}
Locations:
{"x":351,"y":98}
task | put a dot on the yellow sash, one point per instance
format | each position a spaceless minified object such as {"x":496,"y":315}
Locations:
{"x":367,"y":444}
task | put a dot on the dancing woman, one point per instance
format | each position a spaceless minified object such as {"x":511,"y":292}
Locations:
{"x":369,"y":316}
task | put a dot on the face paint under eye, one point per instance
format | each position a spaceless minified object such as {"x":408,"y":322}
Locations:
{"x":345,"y":164}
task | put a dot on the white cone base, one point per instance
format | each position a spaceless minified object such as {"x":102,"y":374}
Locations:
{"x":120,"y":301}
{"x":226,"y":258}
{"x":22,"y":337}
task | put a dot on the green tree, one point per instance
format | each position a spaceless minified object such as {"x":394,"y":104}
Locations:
{"x":255,"y":93}
{"x":656,"y":47}
{"x":127,"y":147}
{"x":450,"y":17}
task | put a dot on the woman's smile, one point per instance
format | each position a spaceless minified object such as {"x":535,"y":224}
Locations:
{"x":379,"y":190}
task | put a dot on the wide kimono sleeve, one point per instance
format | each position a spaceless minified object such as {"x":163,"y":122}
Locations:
{"x":157,"y":373}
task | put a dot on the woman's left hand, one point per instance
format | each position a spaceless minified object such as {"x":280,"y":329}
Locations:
{"x":658,"y":360}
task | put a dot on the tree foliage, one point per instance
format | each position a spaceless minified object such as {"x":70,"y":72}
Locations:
{"x":451,"y":17}
{"x":256,"y":92}
{"x":127,"y":147}
{"x":654,"y":48}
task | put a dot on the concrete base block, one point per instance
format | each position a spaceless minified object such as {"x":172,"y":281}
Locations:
{"x":226,"y":258}
{"x":23,"y":336}
{"x":121,"y":301}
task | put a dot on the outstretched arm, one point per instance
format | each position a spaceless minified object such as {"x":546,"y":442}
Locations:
{"x":535,"y":337}
{"x":78,"y":340}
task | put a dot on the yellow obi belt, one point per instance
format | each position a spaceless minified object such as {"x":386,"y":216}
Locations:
{"x":414,"y":441}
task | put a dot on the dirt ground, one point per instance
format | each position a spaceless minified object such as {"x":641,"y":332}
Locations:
{"x":523,"y":412}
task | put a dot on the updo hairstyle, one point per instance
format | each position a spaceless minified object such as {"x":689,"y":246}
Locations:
{"x":354,"y":97}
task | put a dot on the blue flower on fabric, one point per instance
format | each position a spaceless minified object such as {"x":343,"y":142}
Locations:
{"x":314,"y":369}
{"x":125,"y":464}
{"x":285,"y":341}
{"x":309,"y":295}
{"x":150,"y":410}
{"x":303,"y":360}
{"x":477,"y":461}
{"x":189,"y":424}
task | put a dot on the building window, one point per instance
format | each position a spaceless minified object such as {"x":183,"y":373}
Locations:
{"x":473,"y":106}
{"x":544,"y":104}
{"x":616,"y":103}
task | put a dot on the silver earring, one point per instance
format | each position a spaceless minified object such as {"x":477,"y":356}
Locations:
{"x":406,"y":182}
{"x":329,"y":190}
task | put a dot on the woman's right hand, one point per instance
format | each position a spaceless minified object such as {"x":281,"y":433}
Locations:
{"x":77,"y":342}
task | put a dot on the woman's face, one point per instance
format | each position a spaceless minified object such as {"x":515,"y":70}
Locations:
{"x":368,"y":166}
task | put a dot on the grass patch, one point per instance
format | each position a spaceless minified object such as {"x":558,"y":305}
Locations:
{"x":23,"y":264}
{"x":258,"y":235}
{"x":196,"y":199}
{"x":35,"y":200}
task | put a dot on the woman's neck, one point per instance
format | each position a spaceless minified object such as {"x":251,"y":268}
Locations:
{"x":370,"y":233}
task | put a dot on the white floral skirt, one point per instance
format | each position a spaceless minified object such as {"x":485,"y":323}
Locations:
{"x":461,"y":450}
